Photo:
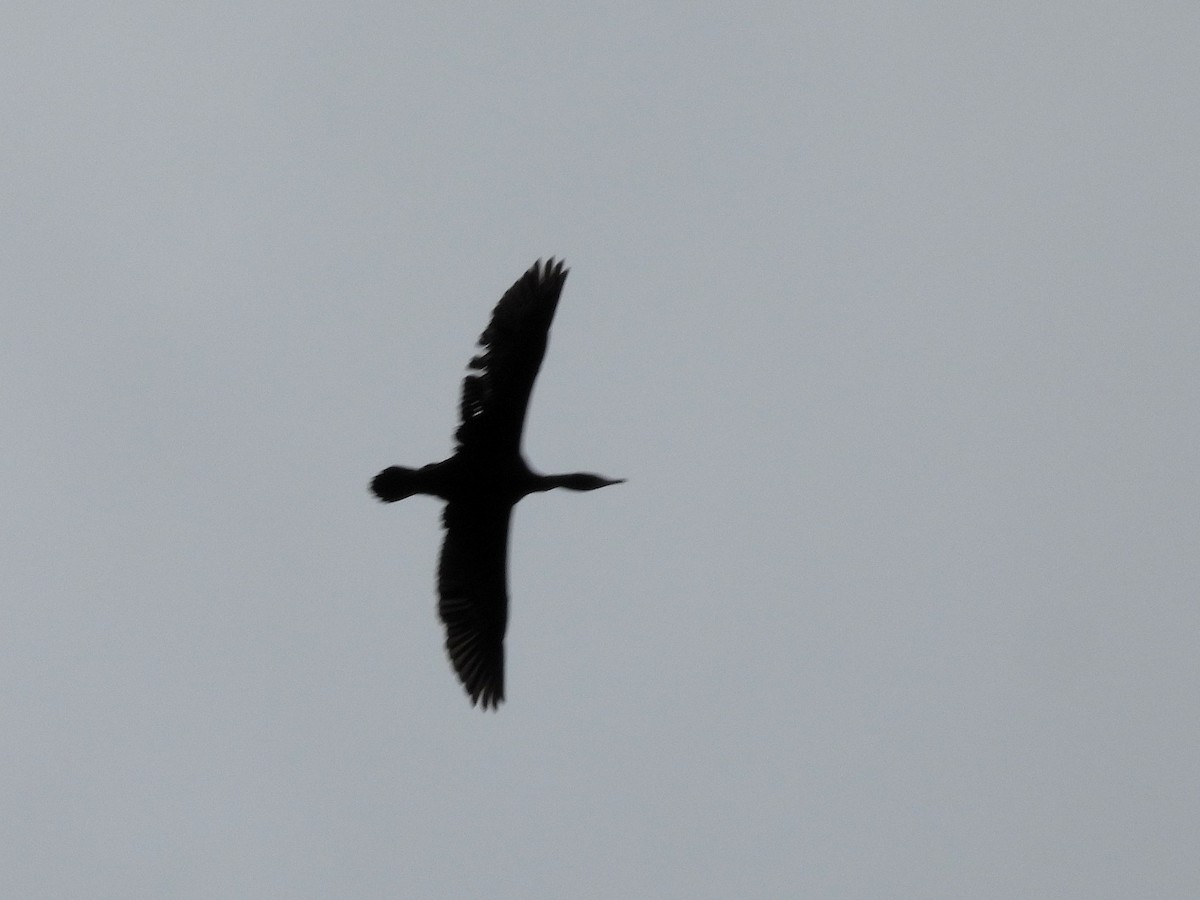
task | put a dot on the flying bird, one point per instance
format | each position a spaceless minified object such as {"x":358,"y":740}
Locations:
{"x":484,"y":479}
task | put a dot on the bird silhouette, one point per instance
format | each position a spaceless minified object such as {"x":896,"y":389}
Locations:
{"x":485,"y":478}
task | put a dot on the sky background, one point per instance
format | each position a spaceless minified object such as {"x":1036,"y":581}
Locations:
{"x":887,"y":311}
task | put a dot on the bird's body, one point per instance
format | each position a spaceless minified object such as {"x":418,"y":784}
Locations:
{"x":485,"y":477}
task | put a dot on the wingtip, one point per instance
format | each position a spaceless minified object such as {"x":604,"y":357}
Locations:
{"x":486,"y":693}
{"x":487,"y":702}
{"x":553,"y":267}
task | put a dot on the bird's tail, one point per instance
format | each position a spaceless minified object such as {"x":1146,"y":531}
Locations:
{"x":396,"y":483}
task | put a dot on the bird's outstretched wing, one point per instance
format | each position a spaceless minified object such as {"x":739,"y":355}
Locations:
{"x":473,"y":595}
{"x":496,"y":392}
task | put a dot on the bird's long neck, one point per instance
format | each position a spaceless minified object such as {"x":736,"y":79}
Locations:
{"x":541,"y":482}
{"x":574,"y":481}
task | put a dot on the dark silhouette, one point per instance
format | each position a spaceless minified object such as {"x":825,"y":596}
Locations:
{"x":484,"y":479}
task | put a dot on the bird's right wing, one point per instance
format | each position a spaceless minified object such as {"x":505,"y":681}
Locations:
{"x":473,"y":595}
{"x":496,"y":392}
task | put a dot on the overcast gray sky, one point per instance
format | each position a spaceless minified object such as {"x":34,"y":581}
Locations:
{"x":887,"y":311}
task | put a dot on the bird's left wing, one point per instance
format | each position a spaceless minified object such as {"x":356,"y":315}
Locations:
{"x":473,"y":595}
{"x":496,"y":392}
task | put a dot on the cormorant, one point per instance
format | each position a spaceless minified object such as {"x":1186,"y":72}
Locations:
{"x":485,"y":477}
